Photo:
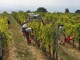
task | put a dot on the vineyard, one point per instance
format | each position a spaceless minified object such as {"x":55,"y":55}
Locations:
{"x":44,"y":36}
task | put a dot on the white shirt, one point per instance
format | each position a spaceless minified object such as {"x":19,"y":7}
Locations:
{"x":24,"y":26}
{"x":28,"y":30}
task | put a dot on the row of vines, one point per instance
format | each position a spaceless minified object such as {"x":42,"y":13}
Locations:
{"x":4,"y":35}
{"x":45,"y":35}
{"x":20,"y":17}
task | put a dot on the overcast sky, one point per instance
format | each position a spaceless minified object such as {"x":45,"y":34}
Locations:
{"x":50,"y":5}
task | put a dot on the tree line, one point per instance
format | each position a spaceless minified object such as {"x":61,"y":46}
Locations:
{"x":42,"y":9}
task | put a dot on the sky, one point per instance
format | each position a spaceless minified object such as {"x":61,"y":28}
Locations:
{"x":50,"y":5}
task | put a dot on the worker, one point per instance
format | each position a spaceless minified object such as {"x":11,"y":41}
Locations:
{"x":28,"y":34}
{"x":8,"y":23}
{"x":24,"y":27}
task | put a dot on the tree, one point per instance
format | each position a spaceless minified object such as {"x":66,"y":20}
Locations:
{"x":67,"y":10}
{"x":4,"y":13}
{"x":28,"y":11}
{"x":77,"y":11}
{"x":41,"y":9}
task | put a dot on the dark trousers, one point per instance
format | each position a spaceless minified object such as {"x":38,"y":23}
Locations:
{"x":27,"y":37}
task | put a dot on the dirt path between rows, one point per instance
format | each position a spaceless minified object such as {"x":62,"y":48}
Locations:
{"x":37,"y":53}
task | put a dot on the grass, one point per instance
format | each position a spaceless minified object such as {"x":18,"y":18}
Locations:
{"x":65,"y":55}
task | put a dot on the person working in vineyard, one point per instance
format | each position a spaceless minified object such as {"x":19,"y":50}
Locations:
{"x":24,"y":26}
{"x":8,"y":23}
{"x":28,"y":34}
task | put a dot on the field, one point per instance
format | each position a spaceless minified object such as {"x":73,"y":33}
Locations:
{"x":46,"y":37}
